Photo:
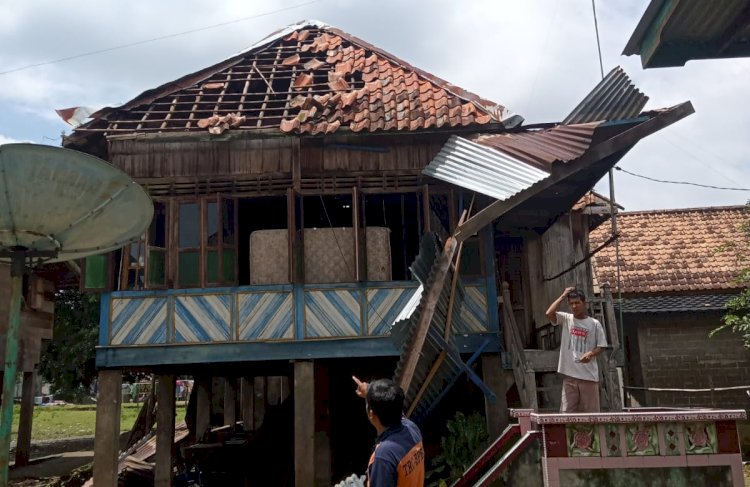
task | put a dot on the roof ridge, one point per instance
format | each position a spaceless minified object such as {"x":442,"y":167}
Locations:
{"x":685,"y":210}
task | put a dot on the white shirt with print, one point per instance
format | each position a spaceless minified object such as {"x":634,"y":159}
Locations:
{"x":579,"y":337}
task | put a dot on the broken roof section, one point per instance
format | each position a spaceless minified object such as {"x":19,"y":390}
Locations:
{"x":308,"y":78}
{"x":537,"y":174}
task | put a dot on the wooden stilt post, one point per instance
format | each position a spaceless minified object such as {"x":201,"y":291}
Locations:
{"x":23,"y":446}
{"x":304,"y":424}
{"x":494,"y":378}
{"x":203,"y":410}
{"x":230,"y":401}
{"x":11,"y":355}
{"x":248,"y":395}
{"x":165,"y":415}
{"x":107,"y":439}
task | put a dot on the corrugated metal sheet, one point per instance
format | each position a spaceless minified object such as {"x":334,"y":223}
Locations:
{"x":614,"y":98}
{"x":691,"y":30}
{"x":403,"y":331}
{"x":541,"y":148}
{"x":482,"y":169}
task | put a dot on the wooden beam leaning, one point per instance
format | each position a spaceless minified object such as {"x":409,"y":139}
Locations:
{"x":433,"y":295}
{"x":107,"y":439}
{"x":604,"y":149}
{"x":165,"y":414}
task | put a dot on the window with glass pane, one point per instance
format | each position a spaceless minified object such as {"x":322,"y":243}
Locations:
{"x":229,"y":240}
{"x":157,"y":247}
{"x":189,"y":244}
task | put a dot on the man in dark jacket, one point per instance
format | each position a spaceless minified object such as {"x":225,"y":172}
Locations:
{"x":398,"y":457}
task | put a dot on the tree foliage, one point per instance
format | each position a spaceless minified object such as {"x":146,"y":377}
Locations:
{"x":68,"y":363}
{"x":737,"y":316}
{"x":465,"y":439}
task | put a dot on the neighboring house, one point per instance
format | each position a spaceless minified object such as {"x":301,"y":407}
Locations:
{"x":671,"y":33}
{"x":675,"y":284}
{"x":308,"y":197}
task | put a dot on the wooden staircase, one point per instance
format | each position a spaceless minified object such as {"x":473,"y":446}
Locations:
{"x":535,"y":371}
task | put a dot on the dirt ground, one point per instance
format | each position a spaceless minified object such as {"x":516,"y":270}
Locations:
{"x":53,"y":459}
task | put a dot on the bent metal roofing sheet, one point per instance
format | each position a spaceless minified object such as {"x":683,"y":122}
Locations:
{"x":308,"y":78}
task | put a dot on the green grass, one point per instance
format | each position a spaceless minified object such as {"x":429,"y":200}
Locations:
{"x":54,"y":422}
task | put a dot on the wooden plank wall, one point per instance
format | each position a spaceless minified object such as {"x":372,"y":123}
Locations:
{"x":260,"y":393}
{"x":192,"y":158}
{"x":563,"y":244}
{"x":155,"y":159}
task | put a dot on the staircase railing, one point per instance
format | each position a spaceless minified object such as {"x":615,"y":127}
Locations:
{"x":524,"y":376}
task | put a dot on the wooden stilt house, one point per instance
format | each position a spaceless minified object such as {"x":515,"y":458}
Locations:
{"x":323,"y":209}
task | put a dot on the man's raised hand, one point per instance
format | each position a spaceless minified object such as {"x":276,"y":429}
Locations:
{"x":361,"y":387}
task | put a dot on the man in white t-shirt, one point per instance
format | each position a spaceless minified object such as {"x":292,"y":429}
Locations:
{"x":582,"y":340}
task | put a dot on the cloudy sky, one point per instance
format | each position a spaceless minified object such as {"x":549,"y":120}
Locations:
{"x":536,"y":57}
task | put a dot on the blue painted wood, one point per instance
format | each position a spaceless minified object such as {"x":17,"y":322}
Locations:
{"x":383,"y":306}
{"x":265,"y":316}
{"x":268,"y":313}
{"x":490,"y":270}
{"x":104,"y":317}
{"x":299,"y":313}
{"x":233,"y":352}
{"x":332,"y":313}
{"x":472,"y":311}
{"x":202,"y":318}
{"x":139,"y":321}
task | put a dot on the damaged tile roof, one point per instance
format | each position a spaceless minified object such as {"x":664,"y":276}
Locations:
{"x":667,"y":251}
{"x":309,"y":78}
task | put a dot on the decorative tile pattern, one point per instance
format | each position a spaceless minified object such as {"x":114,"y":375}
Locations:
{"x":642,"y":439}
{"x":265,"y":316}
{"x":334,"y":313}
{"x":202,"y":318}
{"x":583,"y":440}
{"x":383,"y":306}
{"x":138,"y":321}
{"x":473,"y":311}
{"x":612,"y":437}
{"x":672,"y":432}
{"x":700,"y":438}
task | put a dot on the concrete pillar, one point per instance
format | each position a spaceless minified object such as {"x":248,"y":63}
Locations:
{"x":304,"y":424}
{"x":165,"y":414}
{"x":248,"y":395}
{"x":203,"y":409}
{"x":230,"y":401}
{"x":23,"y":445}
{"x":107,"y":439}
{"x":494,"y":378}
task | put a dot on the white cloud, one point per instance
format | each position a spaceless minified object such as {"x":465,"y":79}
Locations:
{"x":537,"y":57}
{"x":9,"y":140}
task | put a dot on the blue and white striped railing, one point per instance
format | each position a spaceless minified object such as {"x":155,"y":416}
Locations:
{"x":268,"y":313}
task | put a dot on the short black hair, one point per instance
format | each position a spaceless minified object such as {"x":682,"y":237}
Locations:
{"x":386,"y":400}
{"x":575,"y":293}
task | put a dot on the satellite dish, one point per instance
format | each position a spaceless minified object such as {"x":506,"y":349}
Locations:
{"x":55,"y":205}
{"x":62,"y":204}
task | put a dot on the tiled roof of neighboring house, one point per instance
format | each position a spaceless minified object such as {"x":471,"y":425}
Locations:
{"x":683,"y":302}
{"x":666,"y":251}
{"x":308,"y":78}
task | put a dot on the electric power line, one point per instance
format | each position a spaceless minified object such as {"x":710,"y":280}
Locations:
{"x":154,"y":39}
{"x":680,"y":182}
